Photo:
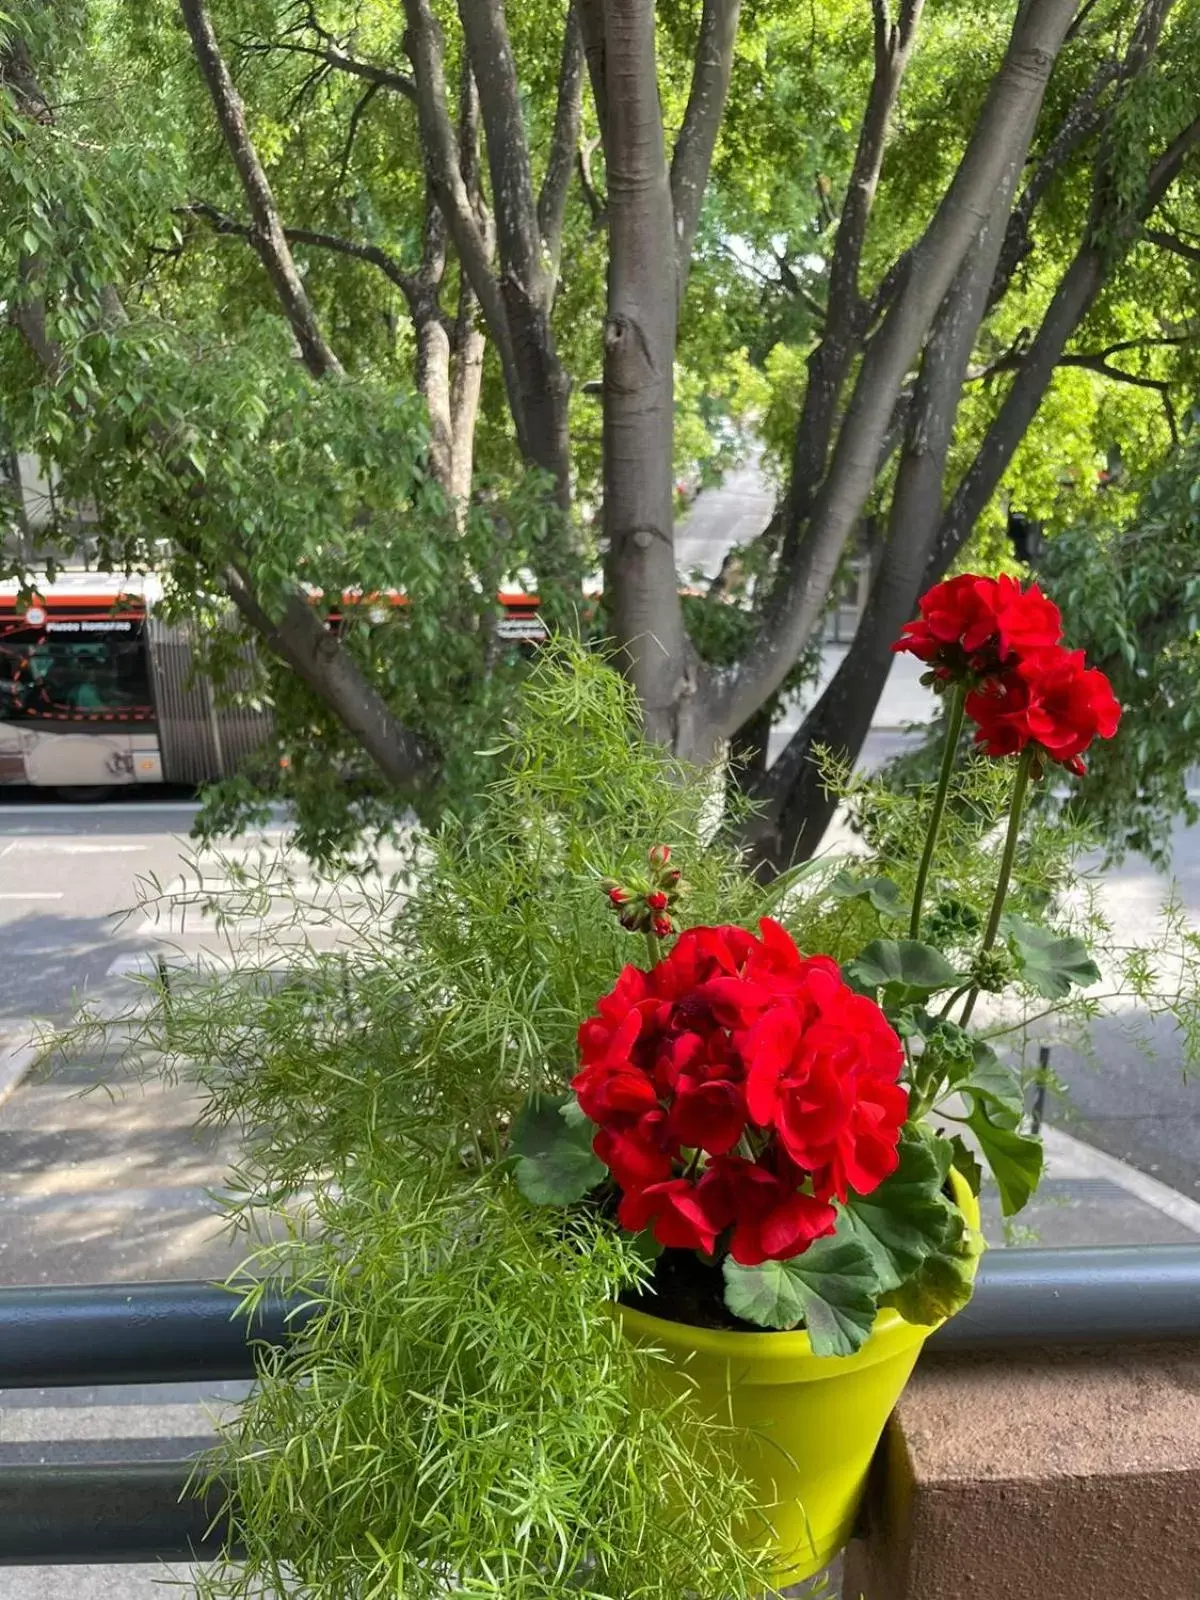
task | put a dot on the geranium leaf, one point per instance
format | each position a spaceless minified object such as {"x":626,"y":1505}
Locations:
{"x":989,"y":1079}
{"x":575,"y":1116}
{"x":1014,"y":1158}
{"x":942,"y":1284}
{"x":966,"y":1164}
{"x":905,"y":969}
{"x":907,"y":1218}
{"x":882,"y":893}
{"x":831,"y":1287}
{"x":1050,"y":962}
{"x":555,"y":1163}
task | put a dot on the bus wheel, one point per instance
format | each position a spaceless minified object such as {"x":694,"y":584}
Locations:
{"x":83,"y":794}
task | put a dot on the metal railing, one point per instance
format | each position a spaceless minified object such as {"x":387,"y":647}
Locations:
{"x":162,"y":1333}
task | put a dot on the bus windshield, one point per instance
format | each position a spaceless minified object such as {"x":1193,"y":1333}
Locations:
{"x":75,"y":670}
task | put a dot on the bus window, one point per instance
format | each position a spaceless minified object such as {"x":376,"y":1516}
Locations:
{"x":57,"y":674}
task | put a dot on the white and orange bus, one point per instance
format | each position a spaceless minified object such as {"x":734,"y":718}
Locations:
{"x":96,"y":690}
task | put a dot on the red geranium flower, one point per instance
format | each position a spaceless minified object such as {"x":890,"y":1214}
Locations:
{"x":828,"y":1086}
{"x":972,"y":626}
{"x":1052,"y":700}
{"x":772,"y":1219}
{"x":738,"y":1086}
{"x":676,"y":1211}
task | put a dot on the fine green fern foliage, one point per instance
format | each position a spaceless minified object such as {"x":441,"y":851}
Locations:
{"x":462,"y":1415}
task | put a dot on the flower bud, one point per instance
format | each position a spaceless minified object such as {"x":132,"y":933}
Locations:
{"x":992,"y":970}
{"x":618,"y":895}
{"x":656,"y":900}
{"x":660,"y":854}
{"x":671,"y":879}
{"x":663,"y":927}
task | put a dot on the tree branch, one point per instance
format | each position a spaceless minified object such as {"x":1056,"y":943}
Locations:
{"x":591,"y":25}
{"x":300,"y":638}
{"x":597,"y":206}
{"x":526,"y":288}
{"x":847,"y":319}
{"x":796,"y":808}
{"x":267,"y":235}
{"x":1171,"y":242}
{"x":692,"y":157}
{"x":564,"y":143}
{"x":1013,"y":360}
{"x":999,"y":139}
{"x":360,"y":109}
{"x":1081,"y":121}
{"x":1119,"y":375}
{"x":222,"y":223}
{"x":332,"y":56}
{"x":1076,"y":291}
{"x":517,"y":232}
{"x":445,"y":173}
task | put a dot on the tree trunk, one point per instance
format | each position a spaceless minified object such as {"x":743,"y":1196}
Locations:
{"x":693,"y":153}
{"x":433,"y":382}
{"x":846,"y":315}
{"x":639,"y":355}
{"x":799,"y":807}
{"x":465,"y":383}
{"x":1001,"y":136}
{"x":524,"y":280}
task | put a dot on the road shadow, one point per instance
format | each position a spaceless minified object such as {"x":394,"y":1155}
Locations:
{"x":53,"y":962}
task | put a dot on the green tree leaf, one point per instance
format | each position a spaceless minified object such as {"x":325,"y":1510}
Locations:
{"x":907,"y":1218}
{"x":904,"y":969}
{"x":555,"y":1163}
{"x":882,"y":893}
{"x":1049,"y":961}
{"x":1015,"y":1159}
{"x":832,"y":1288}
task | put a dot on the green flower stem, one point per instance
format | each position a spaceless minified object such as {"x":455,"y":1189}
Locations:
{"x":954,"y":724}
{"x":1016,"y":806}
{"x":955,"y":997}
{"x":653,"y":949}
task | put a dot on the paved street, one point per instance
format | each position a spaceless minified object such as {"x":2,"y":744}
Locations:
{"x":103,"y":1175}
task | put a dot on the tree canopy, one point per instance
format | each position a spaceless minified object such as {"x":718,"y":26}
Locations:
{"x":305,"y":298}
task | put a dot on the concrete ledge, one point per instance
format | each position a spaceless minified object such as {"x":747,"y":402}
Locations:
{"x":1048,"y":1475}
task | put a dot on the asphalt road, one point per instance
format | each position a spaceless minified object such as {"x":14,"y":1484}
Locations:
{"x":69,"y":880}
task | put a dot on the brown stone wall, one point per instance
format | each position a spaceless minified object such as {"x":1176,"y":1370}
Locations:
{"x":1043,"y":1475}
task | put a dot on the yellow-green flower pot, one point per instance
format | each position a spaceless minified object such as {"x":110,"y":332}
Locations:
{"x":806,"y":1425}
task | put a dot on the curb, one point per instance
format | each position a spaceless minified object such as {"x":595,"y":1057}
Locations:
{"x":1094,"y":1163}
{"x":36,"y":1038}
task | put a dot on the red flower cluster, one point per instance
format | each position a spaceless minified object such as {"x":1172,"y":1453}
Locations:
{"x":1004,"y":642}
{"x":972,"y":626}
{"x":1051,"y":699}
{"x":740,"y":1086}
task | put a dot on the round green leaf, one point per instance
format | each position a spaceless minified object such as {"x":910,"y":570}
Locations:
{"x":555,"y":1162}
{"x":832,"y":1288}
